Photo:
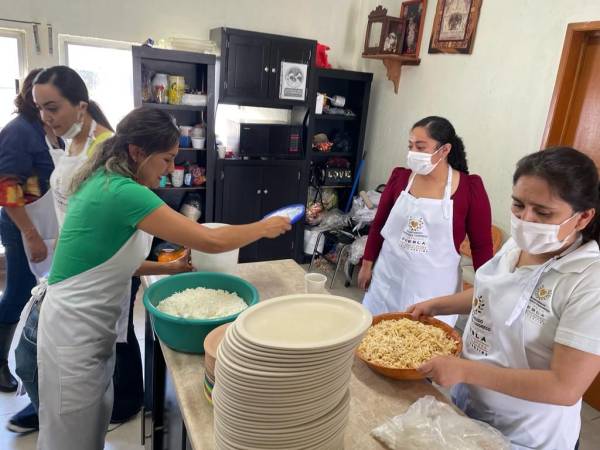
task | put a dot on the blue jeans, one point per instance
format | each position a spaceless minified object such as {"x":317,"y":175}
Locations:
{"x":19,"y":279}
{"x":26,"y":355}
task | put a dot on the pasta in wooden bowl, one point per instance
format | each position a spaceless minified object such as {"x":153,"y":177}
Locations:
{"x":396,"y":344}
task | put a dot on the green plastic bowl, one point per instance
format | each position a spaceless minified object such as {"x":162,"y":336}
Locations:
{"x":187,"y":335}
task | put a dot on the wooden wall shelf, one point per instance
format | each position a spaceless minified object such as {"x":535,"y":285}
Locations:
{"x":393,"y":64}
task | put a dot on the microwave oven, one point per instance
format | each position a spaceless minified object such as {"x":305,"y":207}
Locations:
{"x":270,"y":140}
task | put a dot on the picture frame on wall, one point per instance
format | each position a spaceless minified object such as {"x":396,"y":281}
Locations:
{"x":454,"y":26}
{"x":375,"y":28}
{"x":393,"y":37}
{"x":413,"y":12}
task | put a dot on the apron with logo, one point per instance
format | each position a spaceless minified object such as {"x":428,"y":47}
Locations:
{"x":495,"y":334}
{"x":418,"y":259}
{"x":76,"y":350}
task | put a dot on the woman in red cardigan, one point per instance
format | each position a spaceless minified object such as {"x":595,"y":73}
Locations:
{"x":423,"y":216}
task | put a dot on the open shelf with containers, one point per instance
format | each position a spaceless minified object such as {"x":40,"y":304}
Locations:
{"x":198,"y":71}
{"x":355,"y":87}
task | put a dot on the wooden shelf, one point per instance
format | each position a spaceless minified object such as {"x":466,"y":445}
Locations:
{"x":182,"y":188}
{"x":393,"y":64}
{"x":339,"y":117}
{"x":332,"y":154}
{"x":347,"y":186}
{"x":168,"y":107}
{"x":190,"y":149}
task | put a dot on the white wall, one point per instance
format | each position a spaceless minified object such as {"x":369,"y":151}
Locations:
{"x":497,"y":97}
{"x":331,"y":22}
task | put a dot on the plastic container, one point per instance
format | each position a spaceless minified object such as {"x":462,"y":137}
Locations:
{"x":198,"y":143}
{"x":187,"y":335}
{"x":177,"y":176}
{"x":218,"y":262}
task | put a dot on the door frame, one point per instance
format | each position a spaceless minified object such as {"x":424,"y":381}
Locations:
{"x":566,"y":78}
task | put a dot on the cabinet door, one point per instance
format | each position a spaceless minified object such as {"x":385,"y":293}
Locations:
{"x":281,"y":187}
{"x":242,"y":193}
{"x":247,"y":67}
{"x":288,"y":51}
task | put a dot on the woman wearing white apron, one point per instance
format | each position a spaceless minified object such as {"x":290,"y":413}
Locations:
{"x":103,"y":242}
{"x":532,"y":342}
{"x":423,"y":216}
{"x":25,"y":168}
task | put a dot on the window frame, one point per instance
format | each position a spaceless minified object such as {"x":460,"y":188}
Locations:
{"x":21,"y":36}
{"x":65,"y":39}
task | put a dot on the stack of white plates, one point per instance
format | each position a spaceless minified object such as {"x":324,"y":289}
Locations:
{"x":282,"y":373}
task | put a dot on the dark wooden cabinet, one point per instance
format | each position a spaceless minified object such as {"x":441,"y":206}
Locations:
{"x":249,"y":190}
{"x":251,"y":66}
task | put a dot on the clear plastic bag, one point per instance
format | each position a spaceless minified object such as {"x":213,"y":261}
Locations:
{"x":334,"y":220}
{"x":357,"y":250}
{"x":430,"y":424}
{"x":361,"y":213}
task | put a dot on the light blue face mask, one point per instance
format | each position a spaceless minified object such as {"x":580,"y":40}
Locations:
{"x":75,"y":128}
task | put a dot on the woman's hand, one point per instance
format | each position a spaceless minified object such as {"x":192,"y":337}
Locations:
{"x":444,"y":370}
{"x":365,"y":274}
{"x":426,"y":308}
{"x":35,"y":244}
{"x":276,"y":226}
{"x":180,"y":265}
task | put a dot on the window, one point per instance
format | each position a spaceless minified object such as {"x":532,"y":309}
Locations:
{"x":12,"y":69}
{"x":106,"y":68}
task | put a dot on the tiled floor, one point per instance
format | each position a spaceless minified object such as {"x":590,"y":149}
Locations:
{"x":127,"y":436}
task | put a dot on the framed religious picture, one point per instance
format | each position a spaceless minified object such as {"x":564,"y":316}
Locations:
{"x":454,"y":26}
{"x":413,"y":12}
{"x":393,"y":36}
{"x":375,"y":29}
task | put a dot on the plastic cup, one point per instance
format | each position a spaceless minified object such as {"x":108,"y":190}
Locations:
{"x":314,"y":283}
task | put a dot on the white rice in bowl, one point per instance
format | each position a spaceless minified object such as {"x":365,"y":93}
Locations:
{"x":202,"y":303}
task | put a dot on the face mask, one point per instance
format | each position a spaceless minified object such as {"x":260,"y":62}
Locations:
{"x":420,"y":163}
{"x":75,"y":129}
{"x":537,"y":238}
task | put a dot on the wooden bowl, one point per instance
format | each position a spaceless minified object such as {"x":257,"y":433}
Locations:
{"x":410,"y":374}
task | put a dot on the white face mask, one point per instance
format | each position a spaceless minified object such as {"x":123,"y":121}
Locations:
{"x":420,"y":163}
{"x":74,"y":129}
{"x":537,"y":238}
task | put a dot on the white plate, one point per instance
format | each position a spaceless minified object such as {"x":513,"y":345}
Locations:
{"x":303,"y":322}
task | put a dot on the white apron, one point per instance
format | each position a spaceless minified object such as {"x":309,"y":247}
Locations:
{"x":60,"y":181}
{"x":76,"y":347}
{"x":495,"y":334}
{"x":43,"y":217}
{"x":418,"y":259}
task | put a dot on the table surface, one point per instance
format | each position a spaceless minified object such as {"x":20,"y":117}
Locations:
{"x":374,"y":398}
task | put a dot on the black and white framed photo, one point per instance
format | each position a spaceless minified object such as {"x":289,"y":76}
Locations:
{"x":292,"y":85}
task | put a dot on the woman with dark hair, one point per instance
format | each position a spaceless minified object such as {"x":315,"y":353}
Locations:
{"x":62,"y":98}
{"x":531,"y":346}
{"x":106,"y":236}
{"x":423,"y":216}
{"x":25,"y":168}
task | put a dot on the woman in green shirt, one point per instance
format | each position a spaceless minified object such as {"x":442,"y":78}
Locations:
{"x":109,"y":226}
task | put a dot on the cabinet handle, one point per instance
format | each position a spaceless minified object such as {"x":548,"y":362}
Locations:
{"x":273,"y":70}
{"x":265,"y":192}
{"x":258,"y":192}
{"x":266,"y":69}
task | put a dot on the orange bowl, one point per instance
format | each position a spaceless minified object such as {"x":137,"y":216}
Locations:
{"x":410,"y":374}
{"x":211,"y":343}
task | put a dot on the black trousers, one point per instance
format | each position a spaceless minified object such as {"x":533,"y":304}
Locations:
{"x":128,"y":379}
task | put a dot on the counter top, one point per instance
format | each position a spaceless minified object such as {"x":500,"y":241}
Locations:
{"x":374,"y":397}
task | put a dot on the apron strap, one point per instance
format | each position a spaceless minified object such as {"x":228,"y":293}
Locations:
{"x":447,"y":202}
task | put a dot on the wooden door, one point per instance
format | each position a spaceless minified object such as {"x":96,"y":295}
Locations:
{"x":241,"y":198}
{"x":574,"y":117}
{"x":281,"y":187}
{"x":247,"y":67}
